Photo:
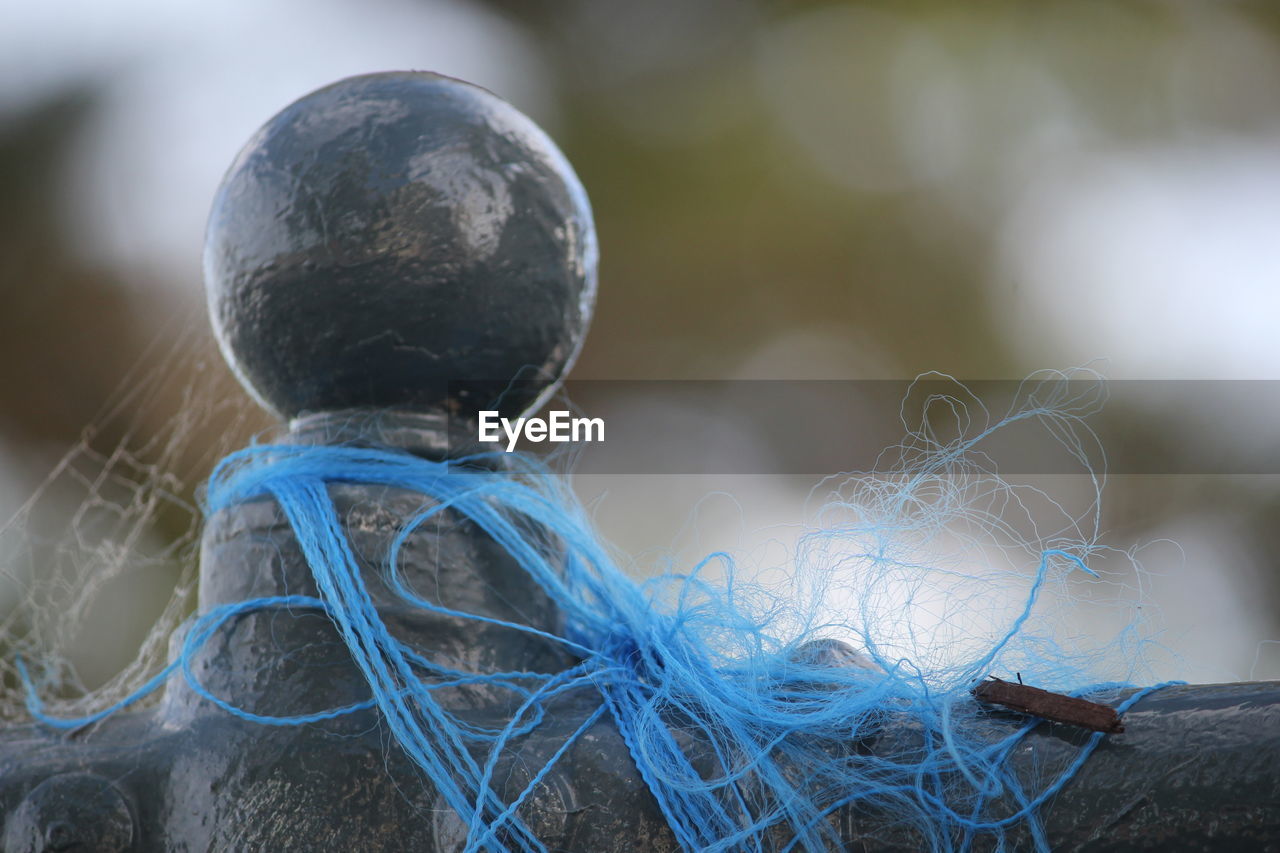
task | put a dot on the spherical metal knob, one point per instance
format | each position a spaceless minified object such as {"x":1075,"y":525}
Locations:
{"x":400,"y":240}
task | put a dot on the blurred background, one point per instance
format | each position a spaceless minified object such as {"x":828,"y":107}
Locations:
{"x":783,"y":190}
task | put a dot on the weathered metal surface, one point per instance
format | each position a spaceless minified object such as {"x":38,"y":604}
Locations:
{"x":71,"y":811}
{"x":376,"y":240}
{"x":391,"y":234}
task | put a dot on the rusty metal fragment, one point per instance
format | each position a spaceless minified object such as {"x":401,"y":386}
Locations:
{"x":1056,"y":707}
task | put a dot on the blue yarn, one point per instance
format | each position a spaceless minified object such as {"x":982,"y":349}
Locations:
{"x":718,"y":657}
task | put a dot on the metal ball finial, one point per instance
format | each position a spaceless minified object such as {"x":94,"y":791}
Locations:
{"x":400,"y":240}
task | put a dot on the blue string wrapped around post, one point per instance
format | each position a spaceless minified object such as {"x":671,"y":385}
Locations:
{"x":780,"y":732}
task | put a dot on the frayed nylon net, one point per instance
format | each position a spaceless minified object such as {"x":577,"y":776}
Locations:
{"x":98,"y":564}
{"x":934,"y":568}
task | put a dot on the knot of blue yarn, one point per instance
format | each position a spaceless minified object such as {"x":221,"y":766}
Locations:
{"x":624,"y":654}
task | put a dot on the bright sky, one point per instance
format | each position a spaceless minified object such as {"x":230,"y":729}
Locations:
{"x":1167,"y":260}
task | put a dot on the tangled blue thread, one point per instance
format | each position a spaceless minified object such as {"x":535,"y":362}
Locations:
{"x":778,"y":735}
